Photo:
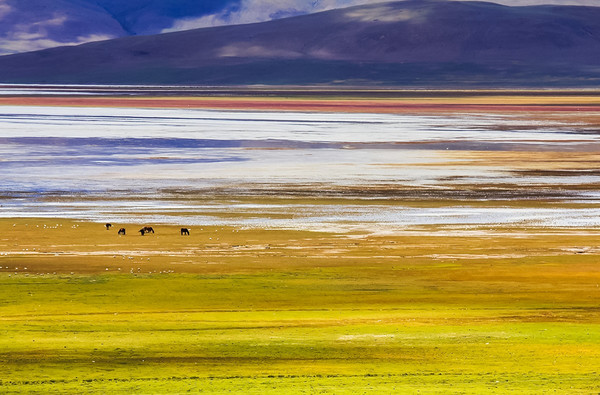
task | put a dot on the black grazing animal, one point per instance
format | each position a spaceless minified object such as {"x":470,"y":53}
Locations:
{"x":108,"y":226}
{"x":148,"y":229}
{"x":122,"y":231}
{"x":185,"y":231}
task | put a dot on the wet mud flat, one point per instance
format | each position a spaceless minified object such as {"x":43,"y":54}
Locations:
{"x":167,"y":159}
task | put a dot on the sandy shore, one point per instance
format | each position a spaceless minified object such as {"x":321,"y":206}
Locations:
{"x":65,"y":246}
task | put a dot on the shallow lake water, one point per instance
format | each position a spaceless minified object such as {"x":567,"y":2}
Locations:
{"x":134,"y":165}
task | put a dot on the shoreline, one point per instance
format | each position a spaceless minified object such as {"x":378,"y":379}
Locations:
{"x":61,"y":244}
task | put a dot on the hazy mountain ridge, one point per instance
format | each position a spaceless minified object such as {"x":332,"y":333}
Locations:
{"x":400,"y":43}
{"x":28,"y":25}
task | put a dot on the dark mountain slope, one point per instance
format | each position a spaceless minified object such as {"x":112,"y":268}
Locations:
{"x":420,"y":42}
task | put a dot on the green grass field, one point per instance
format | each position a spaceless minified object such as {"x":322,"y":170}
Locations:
{"x":83,"y":310}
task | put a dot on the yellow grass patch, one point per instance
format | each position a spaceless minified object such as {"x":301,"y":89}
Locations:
{"x":500,"y":310}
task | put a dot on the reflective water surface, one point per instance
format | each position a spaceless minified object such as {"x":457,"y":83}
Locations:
{"x":201,"y":167}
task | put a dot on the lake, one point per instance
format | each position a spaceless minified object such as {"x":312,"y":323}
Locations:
{"x":311,"y":170}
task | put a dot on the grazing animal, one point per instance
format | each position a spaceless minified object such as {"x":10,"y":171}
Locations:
{"x":108,"y":226}
{"x":147,"y":229}
{"x":122,"y":231}
{"x":185,"y":231}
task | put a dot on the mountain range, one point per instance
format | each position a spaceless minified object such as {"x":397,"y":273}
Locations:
{"x":404,"y":43}
{"x":28,"y":25}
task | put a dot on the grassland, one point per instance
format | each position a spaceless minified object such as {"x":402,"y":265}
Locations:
{"x":280,"y":311}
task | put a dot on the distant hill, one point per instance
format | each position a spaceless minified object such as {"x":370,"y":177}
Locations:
{"x":29,"y":25}
{"x":408,"y":43}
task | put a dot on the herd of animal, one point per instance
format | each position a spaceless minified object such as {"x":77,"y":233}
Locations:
{"x":146,"y":229}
